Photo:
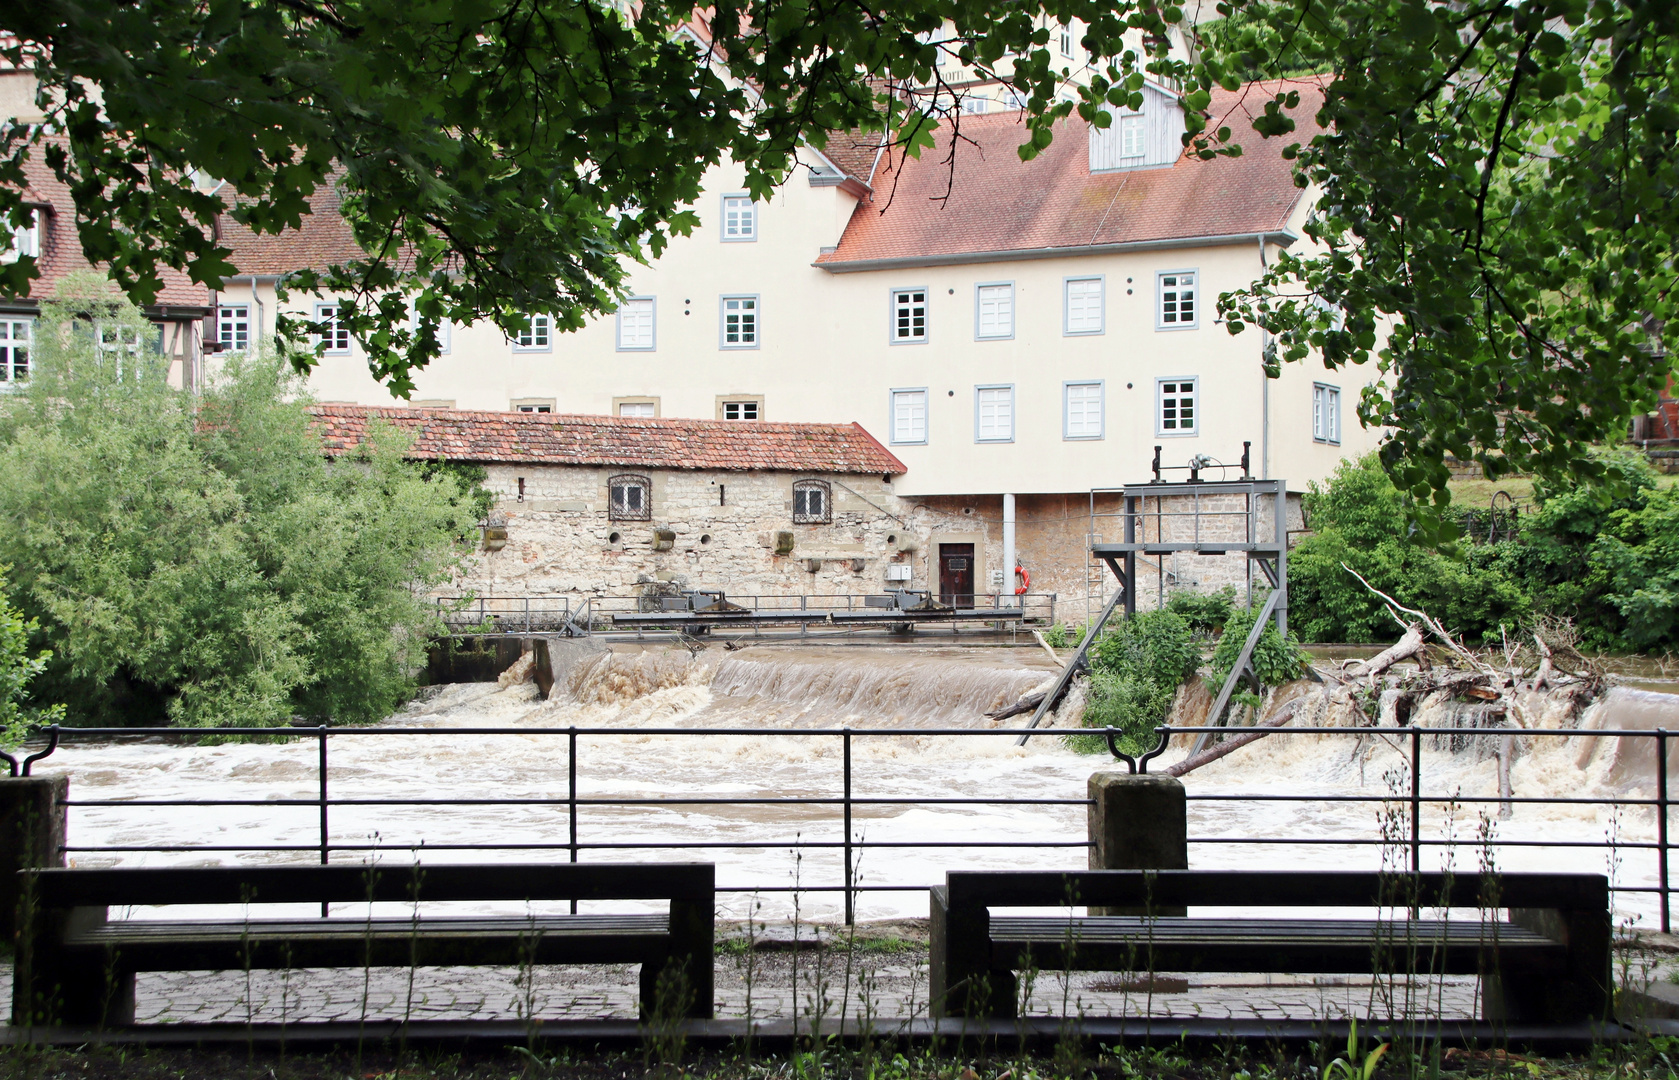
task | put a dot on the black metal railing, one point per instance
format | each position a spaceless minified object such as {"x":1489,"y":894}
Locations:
{"x":847,"y":799}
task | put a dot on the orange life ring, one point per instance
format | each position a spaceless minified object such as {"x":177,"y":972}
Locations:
{"x":1025,"y":580}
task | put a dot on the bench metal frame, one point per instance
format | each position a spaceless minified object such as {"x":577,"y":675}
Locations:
{"x":75,"y":965}
{"x":1548,"y":963}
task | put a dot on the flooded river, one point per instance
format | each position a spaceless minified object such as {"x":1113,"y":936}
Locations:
{"x":797,"y":689}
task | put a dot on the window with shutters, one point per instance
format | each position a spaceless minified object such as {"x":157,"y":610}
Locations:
{"x":629,"y":498}
{"x":1083,"y":314}
{"x":635,"y":324}
{"x":535,"y":337}
{"x":993,"y":414}
{"x":1176,"y":411}
{"x":15,"y":336}
{"x":740,"y":218}
{"x":1176,"y":292}
{"x":334,"y":338}
{"x":1326,"y":413}
{"x":443,"y":331}
{"x":233,"y":327}
{"x":740,"y":322}
{"x":646,"y":408}
{"x":812,"y":502}
{"x":909,"y":316}
{"x":909,"y":416}
{"x":994,"y":311}
{"x":1083,"y":410}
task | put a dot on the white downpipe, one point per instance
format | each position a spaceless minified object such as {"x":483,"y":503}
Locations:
{"x":1008,"y":552}
{"x":256,"y":314}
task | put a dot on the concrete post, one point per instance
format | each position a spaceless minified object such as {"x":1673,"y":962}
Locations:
{"x":32,"y":817}
{"x":1008,"y":553}
{"x":1137,"y":822}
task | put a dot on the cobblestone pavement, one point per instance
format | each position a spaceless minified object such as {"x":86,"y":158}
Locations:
{"x":890,"y":985}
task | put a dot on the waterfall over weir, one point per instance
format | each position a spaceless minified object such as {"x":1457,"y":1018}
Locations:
{"x":626,"y":693}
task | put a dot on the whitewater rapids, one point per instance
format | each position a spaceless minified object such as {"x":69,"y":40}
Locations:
{"x":798,"y":688}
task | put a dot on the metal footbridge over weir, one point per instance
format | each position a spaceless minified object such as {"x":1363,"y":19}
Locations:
{"x":700,"y":612}
{"x":1162,"y":518}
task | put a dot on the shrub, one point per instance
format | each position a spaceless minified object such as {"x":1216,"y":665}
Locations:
{"x":198,"y":560}
{"x":1135,"y":671}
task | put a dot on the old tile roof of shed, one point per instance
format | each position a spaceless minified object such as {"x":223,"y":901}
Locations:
{"x":564,"y":439}
{"x":1000,"y":204}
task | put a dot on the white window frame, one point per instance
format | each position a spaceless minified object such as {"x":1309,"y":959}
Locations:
{"x":975,"y":104}
{"x":444,"y":328}
{"x":1160,"y":429}
{"x":539,"y":334}
{"x":738,"y":202}
{"x":336,"y":341}
{"x":979,"y":310}
{"x":1101,"y":431}
{"x":1194,"y":320}
{"x":723,"y":321}
{"x":1066,"y":41}
{"x":652,"y":344}
{"x":1326,"y":413}
{"x":825,"y":516}
{"x":1101,"y":327}
{"x":532,"y":408}
{"x":979,"y":412}
{"x":25,"y":240}
{"x":1133,"y":136}
{"x":892,"y":401}
{"x":651,"y":406}
{"x":741,"y":405}
{"x":235,"y":317}
{"x":893,"y":304}
{"x":9,"y":347}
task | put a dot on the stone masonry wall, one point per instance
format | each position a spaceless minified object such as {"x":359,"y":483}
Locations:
{"x":562,"y":542}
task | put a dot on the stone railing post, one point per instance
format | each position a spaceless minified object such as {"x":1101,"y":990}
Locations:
{"x":32,"y":815}
{"x":1137,"y":822}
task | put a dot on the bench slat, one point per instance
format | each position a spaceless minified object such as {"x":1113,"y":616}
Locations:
{"x":148,"y":886}
{"x":1267,"y":888}
{"x":1338,"y":931}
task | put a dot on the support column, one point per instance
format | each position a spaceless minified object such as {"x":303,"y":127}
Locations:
{"x":1138,"y":822}
{"x":1009,"y":562}
{"x":32,"y":817}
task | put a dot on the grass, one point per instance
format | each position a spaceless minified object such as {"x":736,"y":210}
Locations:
{"x":1476,"y":494}
{"x":1649,"y":1060}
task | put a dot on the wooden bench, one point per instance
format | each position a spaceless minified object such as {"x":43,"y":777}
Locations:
{"x":77,"y":965}
{"x":1548,"y":962}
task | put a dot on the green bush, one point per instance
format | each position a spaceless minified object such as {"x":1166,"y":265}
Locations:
{"x":1135,"y":671}
{"x":1274,"y":660}
{"x":198,"y":560}
{"x":1604,"y":555}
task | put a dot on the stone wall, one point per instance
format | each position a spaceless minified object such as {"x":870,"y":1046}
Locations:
{"x":726,"y":529}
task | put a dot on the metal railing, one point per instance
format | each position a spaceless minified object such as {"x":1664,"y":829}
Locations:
{"x":845,"y":799}
{"x":556,"y":614}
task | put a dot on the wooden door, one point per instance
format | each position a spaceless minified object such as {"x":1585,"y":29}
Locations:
{"x":956,"y":575}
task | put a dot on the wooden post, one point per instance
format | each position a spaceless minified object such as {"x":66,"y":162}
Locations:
{"x":32,"y":817}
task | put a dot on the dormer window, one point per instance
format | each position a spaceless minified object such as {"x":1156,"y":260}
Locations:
{"x":1131,"y":135}
{"x":25,"y":240}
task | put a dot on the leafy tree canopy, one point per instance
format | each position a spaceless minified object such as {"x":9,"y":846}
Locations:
{"x":199,"y":560}
{"x":1497,"y":178}
{"x":1498,"y":214}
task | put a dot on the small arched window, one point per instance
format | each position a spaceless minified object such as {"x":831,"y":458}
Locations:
{"x":813,"y":502}
{"x":630,"y":498}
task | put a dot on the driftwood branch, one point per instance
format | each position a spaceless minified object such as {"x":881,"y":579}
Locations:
{"x":1403,"y":649}
{"x":1218,"y":750}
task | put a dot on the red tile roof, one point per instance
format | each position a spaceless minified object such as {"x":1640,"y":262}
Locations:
{"x":563,"y":439}
{"x":61,"y":247}
{"x":323,"y":240}
{"x":1000,"y":204}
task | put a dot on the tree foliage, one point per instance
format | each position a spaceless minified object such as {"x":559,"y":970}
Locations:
{"x":1604,"y":555}
{"x":19,"y":664}
{"x":201,"y":562}
{"x":495,"y":160}
{"x":1497,"y":223}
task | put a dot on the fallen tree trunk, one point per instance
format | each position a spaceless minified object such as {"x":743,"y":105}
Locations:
{"x":1030,"y":701}
{"x":1218,"y":750}
{"x":1406,"y":647}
